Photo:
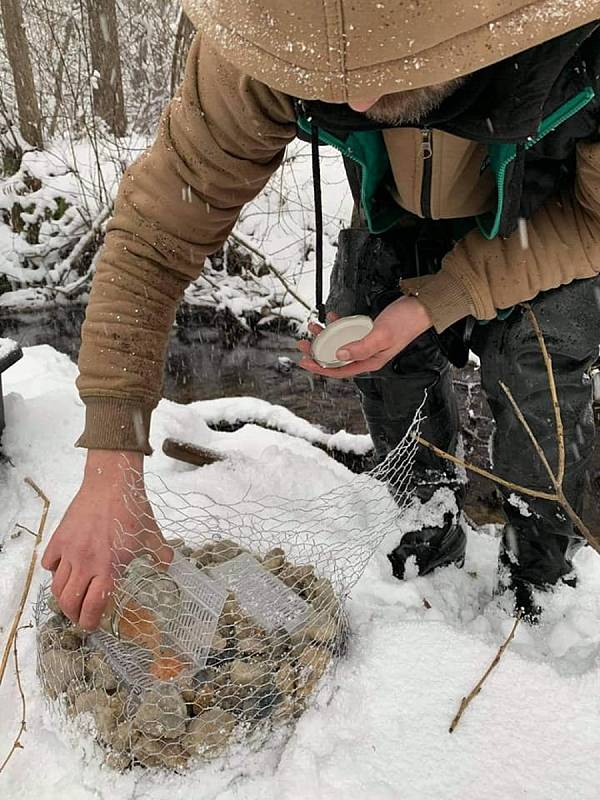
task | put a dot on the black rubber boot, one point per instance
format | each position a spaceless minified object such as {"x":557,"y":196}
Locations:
{"x":431,"y":547}
{"x":531,"y":559}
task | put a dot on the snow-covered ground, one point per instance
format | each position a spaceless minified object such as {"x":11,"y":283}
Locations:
{"x":379,"y":728}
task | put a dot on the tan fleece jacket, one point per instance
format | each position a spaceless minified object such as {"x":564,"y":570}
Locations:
{"x":219,"y":141}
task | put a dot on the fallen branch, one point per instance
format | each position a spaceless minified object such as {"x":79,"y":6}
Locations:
{"x":23,"y":726}
{"x":28,"y":579}
{"x":484,"y":473}
{"x":560,"y":434}
{"x":237,"y":238}
{"x":466,"y":701}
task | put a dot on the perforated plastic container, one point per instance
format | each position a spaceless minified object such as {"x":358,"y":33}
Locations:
{"x":262,"y":595}
{"x":186,"y":628}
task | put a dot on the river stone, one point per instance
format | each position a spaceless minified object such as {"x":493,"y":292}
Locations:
{"x":203,"y":698}
{"x":322,"y":628}
{"x":100,"y":674}
{"x":231,"y":698}
{"x":274,"y":560}
{"x":312,"y":665}
{"x":88,"y":701}
{"x":203,"y":555}
{"x":285,"y":678}
{"x":49,"y":633}
{"x":291,"y":576}
{"x":74,"y":689}
{"x":151,"y":588}
{"x":71,"y":639}
{"x":210,"y":732}
{"x":117,"y":761}
{"x":249,"y":673}
{"x":58,"y":668}
{"x":118,"y":704}
{"x":224,"y":550}
{"x":279,"y":645}
{"x":322,"y":596}
{"x":159,"y":753}
{"x":306,"y":577}
{"x":162,"y":712}
{"x":232,"y":612}
{"x":252,"y":646}
{"x":286,"y":710}
{"x":121,"y":738}
{"x":260,"y":704}
{"x":105,"y":722}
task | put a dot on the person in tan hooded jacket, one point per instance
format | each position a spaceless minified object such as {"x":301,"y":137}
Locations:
{"x":370,"y":79}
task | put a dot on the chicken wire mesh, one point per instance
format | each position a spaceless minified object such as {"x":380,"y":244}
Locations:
{"x":225,"y":640}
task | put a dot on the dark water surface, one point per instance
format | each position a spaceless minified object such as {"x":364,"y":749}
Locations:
{"x":200,"y":366}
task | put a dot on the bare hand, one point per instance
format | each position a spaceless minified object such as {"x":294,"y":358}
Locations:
{"x":109,"y":522}
{"x":394,"y":329}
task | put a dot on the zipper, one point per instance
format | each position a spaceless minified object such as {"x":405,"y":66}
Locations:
{"x":427,"y":156}
{"x":550,"y":124}
{"x":574,"y":106}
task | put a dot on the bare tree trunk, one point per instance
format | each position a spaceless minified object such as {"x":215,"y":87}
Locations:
{"x":183,"y":40}
{"x":19,"y":58}
{"x":109,"y":99}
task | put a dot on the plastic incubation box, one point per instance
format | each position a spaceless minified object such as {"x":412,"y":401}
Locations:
{"x":185,"y":618}
{"x":262,"y":595}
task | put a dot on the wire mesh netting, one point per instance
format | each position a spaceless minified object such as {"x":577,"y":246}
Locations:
{"x":222,"y":637}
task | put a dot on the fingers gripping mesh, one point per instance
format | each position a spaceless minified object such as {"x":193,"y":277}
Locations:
{"x":222,"y":636}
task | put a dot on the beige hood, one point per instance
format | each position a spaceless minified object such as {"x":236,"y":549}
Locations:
{"x":338,"y":50}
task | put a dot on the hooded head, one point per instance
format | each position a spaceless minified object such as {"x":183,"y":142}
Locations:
{"x":348,"y":50}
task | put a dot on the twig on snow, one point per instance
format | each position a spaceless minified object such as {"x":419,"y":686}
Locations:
{"x":28,"y":579}
{"x":466,"y":701}
{"x":23,"y":726}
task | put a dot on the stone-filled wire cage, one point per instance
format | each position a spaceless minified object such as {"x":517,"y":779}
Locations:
{"x":221,"y":638}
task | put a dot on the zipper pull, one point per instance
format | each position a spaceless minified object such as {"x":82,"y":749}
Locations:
{"x":426,"y":143}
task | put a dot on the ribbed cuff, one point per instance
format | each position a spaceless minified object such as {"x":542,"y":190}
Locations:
{"x":113,"y":423}
{"x":445,"y":298}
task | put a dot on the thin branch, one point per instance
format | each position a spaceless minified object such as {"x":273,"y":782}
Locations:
{"x":27,"y":585}
{"x":484,"y":472}
{"x":538,"y":448}
{"x":560,"y":434}
{"x":23,"y":726}
{"x":466,"y":701}
{"x":237,"y":238}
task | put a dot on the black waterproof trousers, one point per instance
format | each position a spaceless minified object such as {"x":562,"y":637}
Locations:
{"x":540,"y":540}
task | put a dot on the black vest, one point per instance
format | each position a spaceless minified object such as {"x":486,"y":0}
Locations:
{"x":530,"y":110}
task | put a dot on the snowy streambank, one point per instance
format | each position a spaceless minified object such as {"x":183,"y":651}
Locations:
{"x":379,"y":729}
{"x":49,"y":206}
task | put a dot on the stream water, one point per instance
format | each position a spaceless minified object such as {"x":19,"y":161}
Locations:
{"x":201,"y":366}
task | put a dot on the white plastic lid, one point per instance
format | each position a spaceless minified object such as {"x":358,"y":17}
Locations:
{"x":339,"y":333}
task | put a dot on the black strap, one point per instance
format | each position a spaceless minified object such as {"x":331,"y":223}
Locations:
{"x":316,"y":167}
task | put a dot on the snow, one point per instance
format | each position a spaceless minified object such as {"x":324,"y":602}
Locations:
{"x":76,"y":184}
{"x":379,"y":727}
{"x":520,"y":504}
{"x":7,"y":348}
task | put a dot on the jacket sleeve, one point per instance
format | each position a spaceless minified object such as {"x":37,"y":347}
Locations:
{"x":480,"y":277}
{"x":219,"y":141}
